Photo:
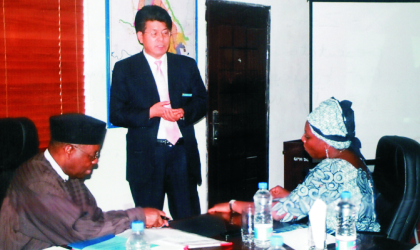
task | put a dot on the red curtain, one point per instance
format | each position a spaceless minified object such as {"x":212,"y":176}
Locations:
{"x":41,"y":60}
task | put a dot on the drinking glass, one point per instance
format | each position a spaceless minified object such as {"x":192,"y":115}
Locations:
{"x":247,"y":230}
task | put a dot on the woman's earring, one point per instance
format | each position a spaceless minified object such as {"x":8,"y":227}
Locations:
{"x":326,"y":152}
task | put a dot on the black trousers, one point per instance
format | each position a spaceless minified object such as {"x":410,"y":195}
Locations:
{"x":170,"y":176}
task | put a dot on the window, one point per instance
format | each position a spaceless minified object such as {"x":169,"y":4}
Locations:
{"x":41,"y":60}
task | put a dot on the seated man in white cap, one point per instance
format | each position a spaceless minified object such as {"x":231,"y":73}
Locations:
{"x":47,"y":202}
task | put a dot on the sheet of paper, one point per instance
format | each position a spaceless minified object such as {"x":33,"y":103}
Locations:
{"x":159,"y":239}
{"x":298,"y":239}
{"x":168,"y":238}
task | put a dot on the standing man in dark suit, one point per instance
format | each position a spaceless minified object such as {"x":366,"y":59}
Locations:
{"x":159,"y":96}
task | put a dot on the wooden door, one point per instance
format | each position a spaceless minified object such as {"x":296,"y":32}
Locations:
{"x":237,"y":41}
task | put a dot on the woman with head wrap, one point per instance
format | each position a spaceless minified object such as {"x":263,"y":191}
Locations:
{"x":329,"y":136}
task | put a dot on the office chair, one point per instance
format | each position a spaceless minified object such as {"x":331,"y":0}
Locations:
{"x":397,"y":180}
{"x":18,"y":142}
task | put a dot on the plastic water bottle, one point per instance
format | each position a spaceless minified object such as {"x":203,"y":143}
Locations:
{"x":345,"y":235}
{"x":137,"y":239}
{"x":263,"y":221}
{"x":276,"y":242}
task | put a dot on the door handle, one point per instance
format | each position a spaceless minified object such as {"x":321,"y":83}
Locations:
{"x":215,"y":115}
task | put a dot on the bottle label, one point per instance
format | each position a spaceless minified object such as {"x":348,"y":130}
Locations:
{"x":263,"y":231}
{"x":345,"y":245}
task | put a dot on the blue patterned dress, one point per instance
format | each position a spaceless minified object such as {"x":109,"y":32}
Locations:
{"x":326,"y":181}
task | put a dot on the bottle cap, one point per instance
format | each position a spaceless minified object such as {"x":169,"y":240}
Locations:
{"x":137,"y":226}
{"x":345,"y":195}
{"x":262,"y":185}
{"x":276,"y":240}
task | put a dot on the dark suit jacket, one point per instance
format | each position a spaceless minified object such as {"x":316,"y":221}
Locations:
{"x":134,"y":91}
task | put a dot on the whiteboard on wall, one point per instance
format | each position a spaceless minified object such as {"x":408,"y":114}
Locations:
{"x":369,"y":53}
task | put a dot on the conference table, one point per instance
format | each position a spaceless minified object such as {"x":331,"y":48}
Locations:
{"x":225,"y":226}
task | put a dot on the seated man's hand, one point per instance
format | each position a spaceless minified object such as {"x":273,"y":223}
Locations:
{"x":279,"y":192}
{"x":153,"y":217}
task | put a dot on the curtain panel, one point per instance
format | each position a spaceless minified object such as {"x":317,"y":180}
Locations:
{"x":41,"y":60}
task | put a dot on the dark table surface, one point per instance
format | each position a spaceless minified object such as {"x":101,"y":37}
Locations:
{"x":226,"y":227}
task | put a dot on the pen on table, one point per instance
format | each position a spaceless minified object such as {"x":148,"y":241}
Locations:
{"x":205,"y":245}
{"x":165,"y":218}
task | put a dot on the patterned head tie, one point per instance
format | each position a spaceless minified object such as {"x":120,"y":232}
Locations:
{"x":333,"y":122}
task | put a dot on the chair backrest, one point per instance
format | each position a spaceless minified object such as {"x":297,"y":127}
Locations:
{"x":397,"y":180}
{"x":18,"y":142}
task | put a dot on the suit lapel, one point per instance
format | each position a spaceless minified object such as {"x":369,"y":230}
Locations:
{"x":172,"y":76}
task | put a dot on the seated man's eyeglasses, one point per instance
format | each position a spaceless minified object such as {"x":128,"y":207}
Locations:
{"x":91,"y":157}
{"x":154,"y":33}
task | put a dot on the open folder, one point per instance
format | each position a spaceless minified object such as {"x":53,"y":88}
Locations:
{"x":159,"y":239}
{"x":83,"y":244}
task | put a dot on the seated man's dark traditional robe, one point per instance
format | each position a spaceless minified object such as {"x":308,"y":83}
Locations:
{"x":41,"y":210}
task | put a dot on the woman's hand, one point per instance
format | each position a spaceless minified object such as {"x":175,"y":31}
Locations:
{"x":220,"y":208}
{"x":237,"y":207}
{"x":279,"y":192}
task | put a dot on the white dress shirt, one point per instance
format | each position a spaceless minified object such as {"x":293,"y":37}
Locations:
{"x":164,"y":67}
{"x":55,"y":166}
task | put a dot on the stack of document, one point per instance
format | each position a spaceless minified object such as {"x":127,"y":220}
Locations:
{"x":159,"y":239}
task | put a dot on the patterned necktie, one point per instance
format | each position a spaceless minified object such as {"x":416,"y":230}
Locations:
{"x":172,"y":131}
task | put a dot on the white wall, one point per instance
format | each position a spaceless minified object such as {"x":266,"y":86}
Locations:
{"x":289,"y":94}
{"x":369,"y":53}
